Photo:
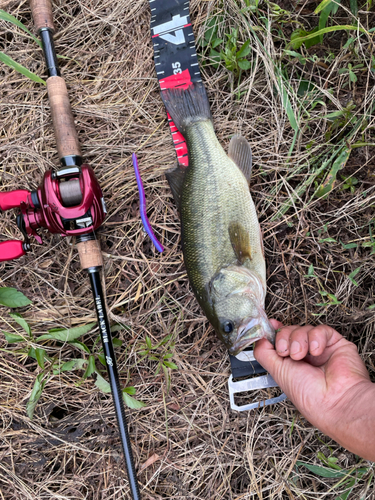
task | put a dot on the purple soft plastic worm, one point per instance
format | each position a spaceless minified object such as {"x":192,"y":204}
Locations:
{"x":142,"y":207}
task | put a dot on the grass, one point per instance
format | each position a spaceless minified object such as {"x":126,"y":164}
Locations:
{"x":311,"y":126}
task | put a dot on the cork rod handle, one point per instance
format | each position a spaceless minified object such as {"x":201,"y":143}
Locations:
{"x":90,"y":254}
{"x":62,"y":118}
{"x":42,"y":14}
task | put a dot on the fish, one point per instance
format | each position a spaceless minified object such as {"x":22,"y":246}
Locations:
{"x":220,"y":232}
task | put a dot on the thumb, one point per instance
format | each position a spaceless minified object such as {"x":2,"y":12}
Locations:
{"x":266,"y":355}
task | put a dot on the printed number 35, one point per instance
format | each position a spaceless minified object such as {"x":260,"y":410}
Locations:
{"x":177,"y":68}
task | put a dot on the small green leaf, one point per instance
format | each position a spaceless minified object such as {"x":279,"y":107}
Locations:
{"x":102,"y":384}
{"x":116,"y":328}
{"x":67,"y":335}
{"x":326,"y":187}
{"x":101,"y":358}
{"x":21,"y":321}
{"x":131,"y":402}
{"x":354,"y":273}
{"x":244,"y":64}
{"x":11,"y":338}
{"x":117,"y":342}
{"x":164,"y":341}
{"x":327,"y":240}
{"x":73,"y":364}
{"x":322,"y":471}
{"x":80,"y":345}
{"x":35,"y":394}
{"x":310,"y":271}
{"x":21,"y":69}
{"x":216,"y":42}
{"x":39,"y":354}
{"x":171,"y":365}
{"x":91,"y":368}
{"x":130,"y":390}
{"x":354,"y":7}
{"x":10,"y":297}
{"x":244,"y":50}
{"x":148,"y":342}
{"x":300,"y":58}
{"x":347,"y":246}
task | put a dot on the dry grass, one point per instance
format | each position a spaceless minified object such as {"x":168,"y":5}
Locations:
{"x":187,"y":443}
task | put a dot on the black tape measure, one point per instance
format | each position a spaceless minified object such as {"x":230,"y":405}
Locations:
{"x":176,"y":61}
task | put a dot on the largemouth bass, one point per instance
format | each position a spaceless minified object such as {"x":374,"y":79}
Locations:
{"x":221,"y":237}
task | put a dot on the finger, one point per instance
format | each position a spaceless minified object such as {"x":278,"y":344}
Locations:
{"x":320,"y":337}
{"x":299,"y":342}
{"x":331,"y":339}
{"x":286,"y":372}
{"x":276,"y":324}
{"x":282,"y":340}
{"x":266,"y":355}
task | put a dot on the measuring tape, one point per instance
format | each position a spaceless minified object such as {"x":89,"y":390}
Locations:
{"x":176,"y":65}
{"x":176,"y":61}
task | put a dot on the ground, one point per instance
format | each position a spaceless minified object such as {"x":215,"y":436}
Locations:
{"x":300,"y":113}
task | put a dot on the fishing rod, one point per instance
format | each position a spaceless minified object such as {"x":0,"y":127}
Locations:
{"x":69,"y":202}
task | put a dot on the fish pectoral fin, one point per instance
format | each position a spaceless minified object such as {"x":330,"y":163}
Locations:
{"x":175,"y":178}
{"x":240,"y":240}
{"x":240,"y":152}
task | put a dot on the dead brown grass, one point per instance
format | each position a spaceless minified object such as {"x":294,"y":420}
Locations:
{"x":187,"y":443}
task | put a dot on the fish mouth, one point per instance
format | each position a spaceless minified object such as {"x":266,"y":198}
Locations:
{"x":240,"y":346}
{"x":251,"y":331}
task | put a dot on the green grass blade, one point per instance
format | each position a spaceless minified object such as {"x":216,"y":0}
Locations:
{"x":322,"y":6}
{"x":341,"y":27}
{"x":11,"y":19}
{"x":287,"y":105}
{"x":353,"y":7}
{"x":329,"y":183}
{"x":21,"y":69}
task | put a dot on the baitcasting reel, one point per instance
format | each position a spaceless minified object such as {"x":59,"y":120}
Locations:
{"x":68,"y":202}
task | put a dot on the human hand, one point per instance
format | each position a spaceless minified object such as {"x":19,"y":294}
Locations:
{"x":321,"y":373}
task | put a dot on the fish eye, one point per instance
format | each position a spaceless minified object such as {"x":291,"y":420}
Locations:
{"x":228,"y":327}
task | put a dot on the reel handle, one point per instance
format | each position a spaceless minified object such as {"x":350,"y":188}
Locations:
{"x":13,"y":199}
{"x":12,"y":249}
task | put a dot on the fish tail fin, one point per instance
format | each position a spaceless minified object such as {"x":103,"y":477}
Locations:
{"x":187,"y":106}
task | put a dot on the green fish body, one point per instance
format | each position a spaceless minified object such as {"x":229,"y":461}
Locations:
{"x":221,"y":237}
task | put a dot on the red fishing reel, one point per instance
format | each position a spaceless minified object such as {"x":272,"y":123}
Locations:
{"x":69,"y":202}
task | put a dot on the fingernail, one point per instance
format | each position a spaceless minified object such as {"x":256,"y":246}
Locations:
{"x":282,"y":345}
{"x":295,"y":347}
{"x":314,"y":345}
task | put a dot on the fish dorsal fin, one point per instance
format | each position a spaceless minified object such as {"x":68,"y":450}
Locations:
{"x":175,"y":178}
{"x":240,"y":152}
{"x":240,"y":240}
